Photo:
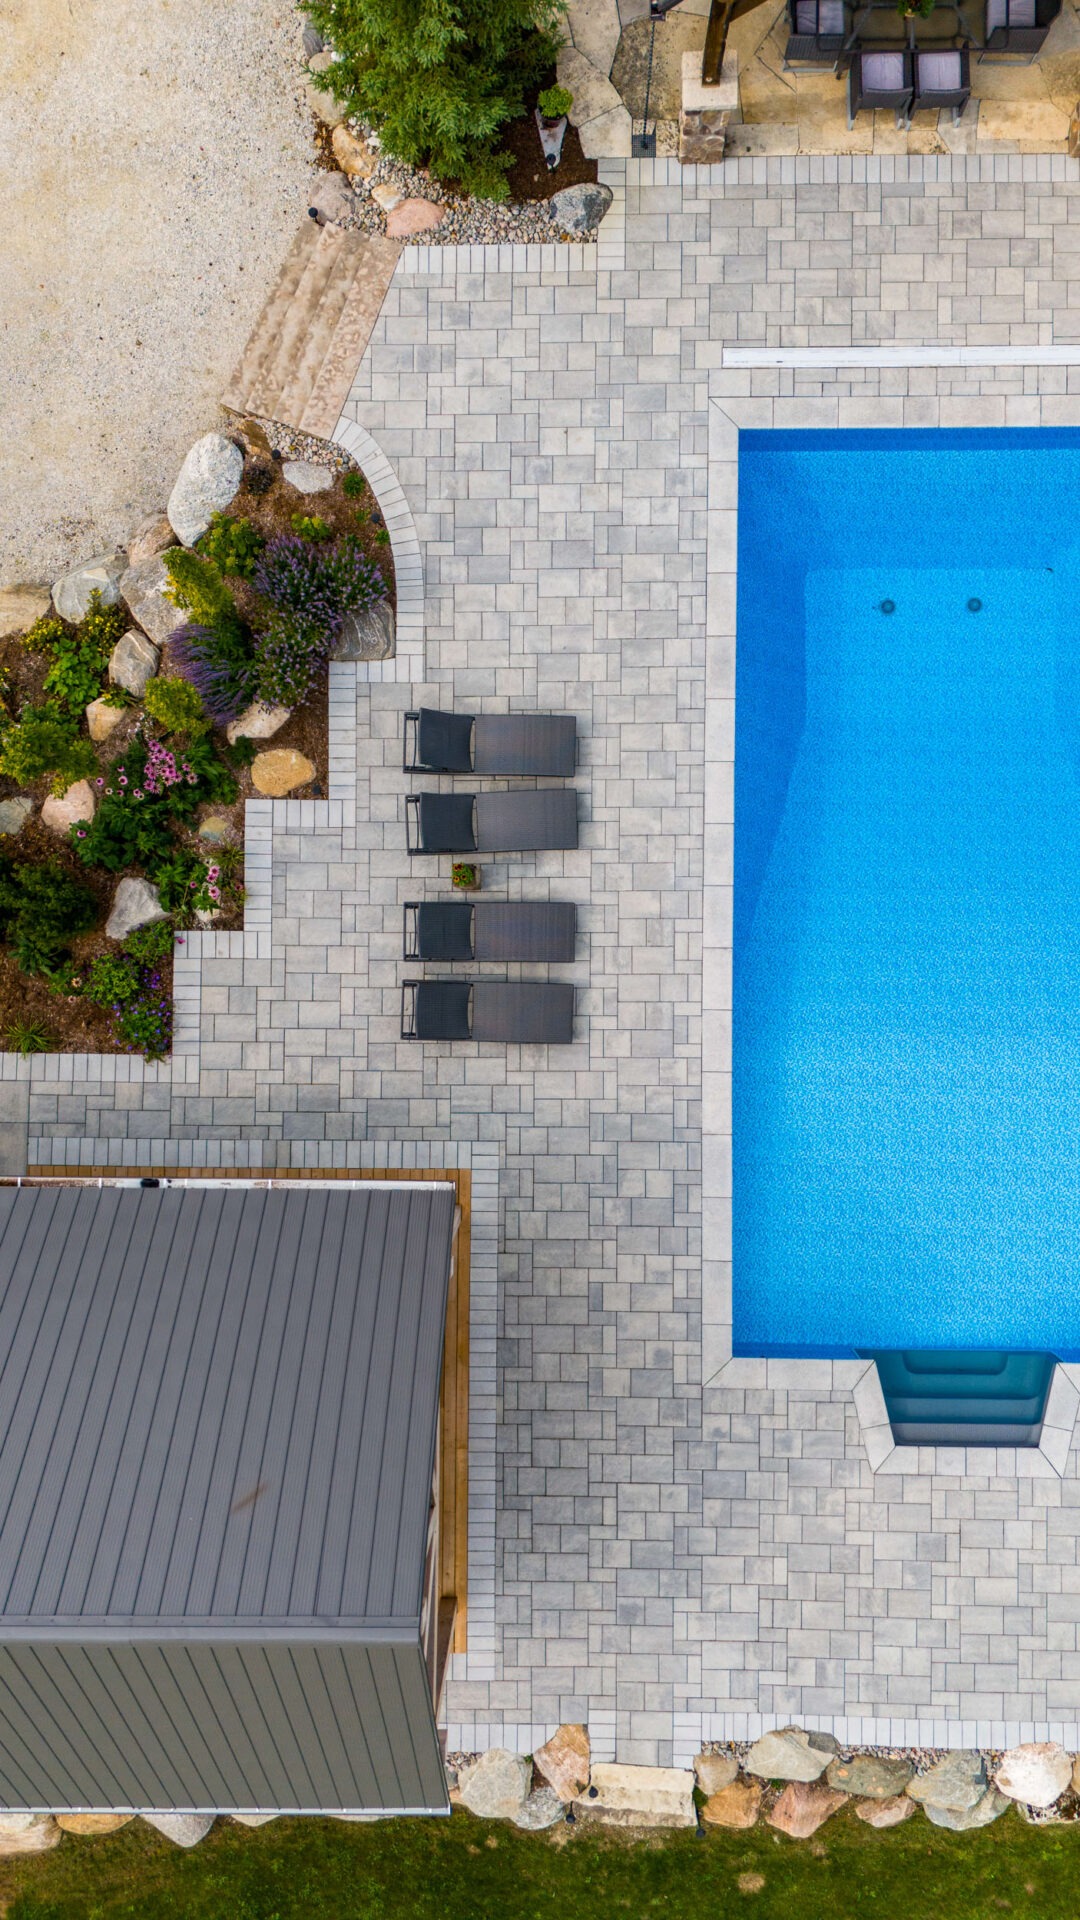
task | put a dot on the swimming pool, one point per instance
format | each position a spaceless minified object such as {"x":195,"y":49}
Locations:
{"x":906,"y":1012}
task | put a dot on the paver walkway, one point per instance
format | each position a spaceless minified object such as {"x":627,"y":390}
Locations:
{"x":664,"y":1554}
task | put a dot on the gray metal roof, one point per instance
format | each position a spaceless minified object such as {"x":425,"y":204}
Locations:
{"x":218,"y":1404}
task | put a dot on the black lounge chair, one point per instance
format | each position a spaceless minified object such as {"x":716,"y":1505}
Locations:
{"x":498,"y":743}
{"x":528,"y":822}
{"x":1017,"y":27}
{"x":490,"y":930}
{"x":817,"y":32}
{"x":528,"y":1012}
{"x":942,"y":79}
{"x":878,"y":80}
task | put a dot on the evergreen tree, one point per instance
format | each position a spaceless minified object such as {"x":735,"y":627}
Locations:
{"x":438,"y":78}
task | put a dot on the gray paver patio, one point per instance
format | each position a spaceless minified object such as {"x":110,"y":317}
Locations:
{"x":669,"y":1559}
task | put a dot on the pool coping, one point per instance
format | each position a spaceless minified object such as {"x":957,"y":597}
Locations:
{"x":733,"y":408}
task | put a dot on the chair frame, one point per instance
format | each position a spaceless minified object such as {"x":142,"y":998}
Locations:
{"x":898,"y":98}
{"x":955,"y":99}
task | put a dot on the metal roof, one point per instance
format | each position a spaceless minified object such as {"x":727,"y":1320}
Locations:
{"x":218,"y":1404}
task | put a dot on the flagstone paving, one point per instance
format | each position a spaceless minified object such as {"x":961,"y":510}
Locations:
{"x":669,"y":1559}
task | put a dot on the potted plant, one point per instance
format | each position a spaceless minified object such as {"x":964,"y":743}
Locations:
{"x":552,"y":109}
{"x":464,"y":875}
{"x":915,"y":9}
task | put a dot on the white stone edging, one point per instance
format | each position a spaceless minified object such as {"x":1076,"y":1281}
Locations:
{"x":407,"y":663}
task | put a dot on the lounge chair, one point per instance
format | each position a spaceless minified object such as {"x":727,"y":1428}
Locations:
{"x":1017,"y":27}
{"x":942,"y":79}
{"x":817,"y":29}
{"x":491,"y":822}
{"x":496,"y":743}
{"x":880,"y":80}
{"x":524,"y":1011}
{"x":490,"y":930}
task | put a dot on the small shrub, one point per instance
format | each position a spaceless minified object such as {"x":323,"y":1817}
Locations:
{"x":175,"y":704}
{"x":198,"y":587}
{"x":220,"y":666}
{"x":295,"y":576}
{"x":150,"y":945}
{"x":114,"y":979}
{"x":75,"y":675}
{"x":45,"y":742}
{"x":124,"y":833}
{"x":242,"y":751}
{"x":101,"y":627}
{"x":554,"y":102}
{"x":41,"y":908}
{"x":179,"y":881}
{"x":44,"y":633}
{"x":144,"y":1023}
{"x":116,"y":697}
{"x":355,"y":583}
{"x":232,"y":545}
{"x":64,"y":979}
{"x":289,"y":658}
{"x":259,"y":477}
{"x":354,"y":486}
{"x":311,"y":526}
{"x":382,"y":537}
{"x":29,"y":1036}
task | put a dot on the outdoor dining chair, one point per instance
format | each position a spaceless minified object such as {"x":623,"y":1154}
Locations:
{"x":880,"y":80}
{"x":490,"y":930}
{"x":1017,"y":27}
{"x":525,"y":1012}
{"x":496,"y":743}
{"x":530,"y":822}
{"x":942,"y":79}
{"x":816,"y":32}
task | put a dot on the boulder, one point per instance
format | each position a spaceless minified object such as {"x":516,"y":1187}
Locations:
{"x":386,"y":196}
{"x":790,"y":1754}
{"x":71,"y":593}
{"x":64,"y":810}
{"x":151,"y":537}
{"x":92,"y":1822}
{"x":253,"y":1819}
{"x":311,"y":39}
{"x":281,"y":771}
{"x":413,"y":216}
{"x":207,"y":483}
{"x":639,"y":1796}
{"x":869,"y":1777}
{"x":15,"y":812}
{"x":885,"y":1813}
{"x":323,"y":105}
{"x":497,"y":1785}
{"x":143,"y":589}
{"x":1035,"y":1773}
{"x":333,"y":197}
{"x":215,"y":828}
{"x":306,"y":476}
{"x":736,"y":1807}
{"x":580,"y":209}
{"x":990,"y":1807}
{"x":20,"y":607}
{"x":255,"y":443}
{"x":133,"y":662}
{"x":28,"y":1833}
{"x":715,"y":1771}
{"x":368,"y":635}
{"x":957,"y":1781}
{"x":102,"y":719}
{"x":257,"y":722}
{"x":353,"y":156}
{"x":542,"y":1809}
{"x":184,"y":1829}
{"x":803,"y":1807}
{"x":563,"y":1761}
{"x":135,"y":904}
{"x":1076,"y":1777}
{"x":595,"y":30}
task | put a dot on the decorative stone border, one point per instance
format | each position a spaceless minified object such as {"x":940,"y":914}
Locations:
{"x":558,"y":258}
{"x":408,"y":661}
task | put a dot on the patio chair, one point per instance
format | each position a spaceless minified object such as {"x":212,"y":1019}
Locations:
{"x":491,"y":822}
{"x":942,"y":79}
{"x":496,"y":743}
{"x":880,"y":80}
{"x":490,"y":930}
{"x":1017,"y":27}
{"x":524,"y":1012}
{"x":817,"y":32}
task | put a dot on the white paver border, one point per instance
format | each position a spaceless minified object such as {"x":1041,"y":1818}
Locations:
{"x":407,"y":663}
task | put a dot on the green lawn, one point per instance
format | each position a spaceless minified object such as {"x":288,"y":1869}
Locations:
{"x":464,"y":1869}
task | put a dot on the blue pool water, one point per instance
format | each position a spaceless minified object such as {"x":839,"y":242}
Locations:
{"x":906,"y":1045}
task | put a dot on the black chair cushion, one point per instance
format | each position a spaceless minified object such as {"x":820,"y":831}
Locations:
{"x":444,"y":930}
{"x":444,"y":741}
{"x":442,"y":1010}
{"x":446,"y":823}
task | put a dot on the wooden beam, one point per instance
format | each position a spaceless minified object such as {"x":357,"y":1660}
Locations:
{"x":712,"y":60}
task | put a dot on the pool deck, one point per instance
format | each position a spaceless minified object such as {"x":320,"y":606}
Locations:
{"x":664,"y":1543}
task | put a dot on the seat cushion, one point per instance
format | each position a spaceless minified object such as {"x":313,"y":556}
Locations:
{"x":1021,"y":13}
{"x":939,"y":72}
{"x":997,"y":15}
{"x":831,"y":16}
{"x":883,"y":72}
{"x":806,"y":16}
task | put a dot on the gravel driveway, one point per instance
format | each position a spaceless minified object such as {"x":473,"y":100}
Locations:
{"x":155,"y":161}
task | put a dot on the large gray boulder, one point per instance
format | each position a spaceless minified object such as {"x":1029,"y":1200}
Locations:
{"x":20,"y":607}
{"x":1036,"y":1773}
{"x":71,"y":593}
{"x":790,"y":1754}
{"x":14,"y":813}
{"x":133,"y":663}
{"x":541,"y":1810}
{"x":332,"y":196}
{"x":990,"y":1806}
{"x":958,"y":1782}
{"x":497,"y":1786}
{"x":307,"y":476}
{"x":366,"y":636}
{"x":142,"y":589}
{"x":207,"y":483}
{"x":870,"y":1777}
{"x":715,"y":1771}
{"x":580,"y":209}
{"x":184,"y":1829}
{"x":135,"y":904}
{"x":28,"y":1833}
{"x":152,"y":535}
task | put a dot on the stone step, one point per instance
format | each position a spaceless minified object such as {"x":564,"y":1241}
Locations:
{"x":295,"y":325}
{"x":264,"y":337}
{"x":330,"y":388}
{"x":322,"y":327}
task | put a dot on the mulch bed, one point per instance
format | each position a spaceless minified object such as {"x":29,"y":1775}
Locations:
{"x":529,"y":178}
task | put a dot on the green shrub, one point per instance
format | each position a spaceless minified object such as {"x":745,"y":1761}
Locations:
{"x":232,"y":545}
{"x":198,"y":587}
{"x":41,"y":908}
{"x":102,"y":627}
{"x":179,"y":881}
{"x":113,"y":980}
{"x":44,"y":633}
{"x":144,"y":1024}
{"x":75,"y":675}
{"x":124,"y":833}
{"x":28,"y":1036}
{"x":354,"y":486}
{"x":554,"y":102}
{"x":44,"y":742}
{"x":175,"y":705}
{"x":150,"y":945}
{"x":311,"y":526}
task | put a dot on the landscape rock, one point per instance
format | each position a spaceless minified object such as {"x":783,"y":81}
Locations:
{"x":542,"y":1809}
{"x":311,"y":39}
{"x":736,"y":1807}
{"x":368,"y":635}
{"x":102,"y":719}
{"x":71,"y":593}
{"x":580,"y":209}
{"x":957,"y":1781}
{"x":215,"y":828}
{"x":135,"y":904}
{"x":1036,"y":1773}
{"x":28,"y":1833}
{"x":990,"y":1807}
{"x":353,"y":156}
{"x":15,"y":812}
{"x":413,"y":216}
{"x":133,"y":662}
{"x":279,"y":772}
{"x":92,"y":1822}
{"x":790,"y":1754}
{"x":64,"y":810}
{"x":595,"y":30}
{"x":333,"y":197}
{"x":253,"y":1819}
{"x":563,"y":1761}
{"x":323,"y":105}
{"x":803,"y":1807}
{"x":623,"y":1796}
{"x":207,"y":483}
{"x":306,"y":476}
{"x":257,"y":722}
{"x":255,"y":443}
{"x":386,"y":196}
{"x":143,"y":589}
{"x":886,"y":1813}
{"x":869,"y":1777}
{"x":1076,"y":1776}
{"x":20,"y":607}
{"x":151,"y":537}
{"x":715,"y":1771}
{"x":184,"y":1829}
{"x":497,"y":1786}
